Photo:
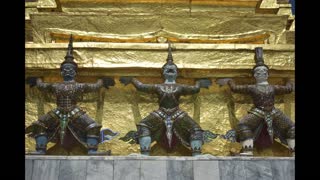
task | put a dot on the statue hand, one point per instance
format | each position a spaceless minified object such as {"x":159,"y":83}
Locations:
{"x":290,"y":82}
{"x":125,"y":80}
{"x":32,"y":81}
{"x":223,"y":81}
{"x":204,"y":83}
{"x":107,"y":81}
{"x":293,"y":85}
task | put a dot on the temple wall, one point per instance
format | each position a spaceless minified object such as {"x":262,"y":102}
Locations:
{"x":209,"y":40}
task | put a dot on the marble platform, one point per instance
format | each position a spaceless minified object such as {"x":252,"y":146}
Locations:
{"x":135,"y":167}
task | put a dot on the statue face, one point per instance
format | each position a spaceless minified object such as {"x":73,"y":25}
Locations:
{"x":261,"y":73}
{"x":68,"y":72}
{"x":170,"y":72}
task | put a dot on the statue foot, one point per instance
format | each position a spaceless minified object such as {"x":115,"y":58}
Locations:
{"x":204,"y":156}
{"x":145,"y":154}
{"x":96,"y":153}
{"x":196,"y":154}
{"x":39,"y":152}
{"x":246,"y":154}
{"x":138,"y":155}
{"x":293,"y":154}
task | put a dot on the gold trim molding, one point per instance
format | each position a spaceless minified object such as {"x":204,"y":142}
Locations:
{"x":153,"y":55}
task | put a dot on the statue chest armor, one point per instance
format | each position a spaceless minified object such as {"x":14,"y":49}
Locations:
{"x":263,"y":97}
{"x":66,"y":95}
{"x":168,"y":96}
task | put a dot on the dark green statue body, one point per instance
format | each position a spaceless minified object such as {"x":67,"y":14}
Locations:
{"x":169,"y":125}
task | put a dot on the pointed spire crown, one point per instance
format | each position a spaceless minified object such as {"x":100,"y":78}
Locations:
{"x":258,"y":58}
{"x":169,"y":58}
{"x":69,"y":56}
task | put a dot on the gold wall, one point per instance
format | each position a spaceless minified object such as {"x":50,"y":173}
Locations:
{"x":210,"y":40}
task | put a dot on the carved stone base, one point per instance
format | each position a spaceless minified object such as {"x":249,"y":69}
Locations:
{"x":158,"y":167}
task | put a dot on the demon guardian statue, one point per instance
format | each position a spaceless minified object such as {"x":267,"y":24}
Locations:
{"x":67,"y":124}
{"x":263,"y":122}
{"x":169,"y":124}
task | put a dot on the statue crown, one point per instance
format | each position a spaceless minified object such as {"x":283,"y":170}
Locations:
{"x":258,"y":57}
{"x":169,"y":58}
{"x":69,"y":56}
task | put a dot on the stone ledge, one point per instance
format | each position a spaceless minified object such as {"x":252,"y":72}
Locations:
{"x":158,"y":167}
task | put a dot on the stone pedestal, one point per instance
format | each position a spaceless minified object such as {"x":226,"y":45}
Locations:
{"x":158,"y":167}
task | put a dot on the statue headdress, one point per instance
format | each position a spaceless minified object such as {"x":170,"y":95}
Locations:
{"x":69,"y":56}
{"x":169,"y":58}
{"x":258,"y":58}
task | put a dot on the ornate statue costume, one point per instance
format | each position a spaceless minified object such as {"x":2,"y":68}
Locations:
{"x":67,"y":124}
{"x":169,"y":125}
{"x":263,"y":122}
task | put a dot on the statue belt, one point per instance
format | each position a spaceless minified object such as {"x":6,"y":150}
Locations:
{"x":169,"y":111}
{"x":268,"y":118}
{"x":168,"y":116}
{"x":267,"y":108}
{"x":63,"y":113}
{"x":64,"y":117}
{"x":262,"y":113}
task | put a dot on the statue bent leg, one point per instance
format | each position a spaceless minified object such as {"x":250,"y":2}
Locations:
{"x":38,"y":130}
{"x":287,"y":130}
{"x":146,"y":127}
{"x":144,"y":140}
{"x":187,"y":129}
{"x":92,"y":129}
{"x":196,"y":141}
{"x":41,"y":144}
{"x":247,"y":125}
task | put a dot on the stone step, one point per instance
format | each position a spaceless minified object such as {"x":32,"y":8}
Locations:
{"x":136,"y":167}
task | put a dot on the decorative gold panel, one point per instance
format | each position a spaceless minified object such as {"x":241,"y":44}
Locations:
{"x":152,"y":55}
{"x":215,"y":27}
{"x":215,"y":109}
